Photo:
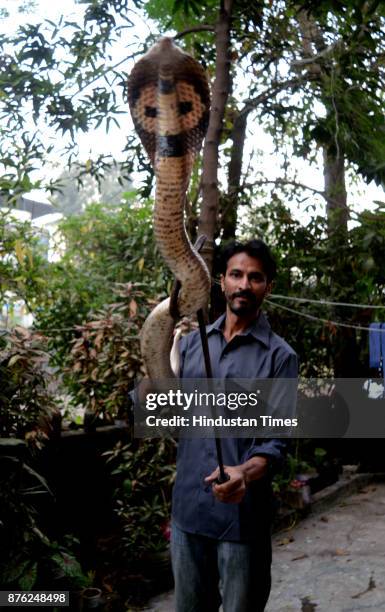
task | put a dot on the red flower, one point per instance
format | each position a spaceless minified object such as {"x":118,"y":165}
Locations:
{"x":166,"y":530}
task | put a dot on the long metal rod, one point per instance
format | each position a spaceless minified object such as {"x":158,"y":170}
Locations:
{"x":223,"y":477}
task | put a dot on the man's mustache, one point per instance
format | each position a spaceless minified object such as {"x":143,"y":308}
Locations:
{"x":244,"y":294}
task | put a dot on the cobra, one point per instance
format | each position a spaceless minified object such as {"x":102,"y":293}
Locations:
{"x":169,"y":101}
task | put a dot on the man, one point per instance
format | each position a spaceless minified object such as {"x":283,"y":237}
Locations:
{"x":221,"y":543}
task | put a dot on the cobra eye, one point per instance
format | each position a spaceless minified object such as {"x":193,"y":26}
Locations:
{"x":185,"y":107}
{"x":150,"y":111}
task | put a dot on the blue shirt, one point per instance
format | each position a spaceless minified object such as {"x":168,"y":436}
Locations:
{"x":255,"y":353}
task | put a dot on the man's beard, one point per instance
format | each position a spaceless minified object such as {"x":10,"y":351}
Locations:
{"x":251,"y":306}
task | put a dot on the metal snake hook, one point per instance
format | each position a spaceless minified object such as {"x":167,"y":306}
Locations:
{"x":223,"y":477}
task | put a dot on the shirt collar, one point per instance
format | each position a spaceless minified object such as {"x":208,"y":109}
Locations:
{"x":260,"y":329}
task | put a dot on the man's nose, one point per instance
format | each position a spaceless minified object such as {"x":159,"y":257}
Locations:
{"x":244,"y":282}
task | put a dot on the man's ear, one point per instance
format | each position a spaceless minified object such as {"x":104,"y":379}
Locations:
{"x":222,"y":278}
{"x":269,"y":288}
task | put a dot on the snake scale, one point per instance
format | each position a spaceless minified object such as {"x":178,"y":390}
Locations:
{"x":169,"y":100}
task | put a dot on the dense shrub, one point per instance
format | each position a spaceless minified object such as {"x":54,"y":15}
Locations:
{"x":143,"y":472}
{"x":26,"y":402}
{"x":105,"y":357}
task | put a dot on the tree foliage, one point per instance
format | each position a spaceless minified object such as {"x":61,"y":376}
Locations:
{"x":23,"y":261}
{"x":105,"y":246}
{"x":54,"y":75}
{"x":304,"y":261}
{"x":76,"y":191}
{"x":99,"y":251}
{"x":310,"y":75}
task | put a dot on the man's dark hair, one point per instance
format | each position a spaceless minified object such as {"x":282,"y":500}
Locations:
{"x":254,"y":248}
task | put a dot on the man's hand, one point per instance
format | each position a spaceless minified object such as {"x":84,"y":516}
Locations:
{"x":233,"y":491}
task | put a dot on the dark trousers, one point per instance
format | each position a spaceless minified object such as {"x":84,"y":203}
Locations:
{"x":209,"y":572}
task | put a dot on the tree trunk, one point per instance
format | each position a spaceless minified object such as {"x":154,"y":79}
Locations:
{"x":344,"y":350}
{"x":231,"y":201}
{"x":335,"y":191}
{"x":221,"y":89}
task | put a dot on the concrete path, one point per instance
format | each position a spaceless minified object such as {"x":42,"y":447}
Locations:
{"x":330,"y":562}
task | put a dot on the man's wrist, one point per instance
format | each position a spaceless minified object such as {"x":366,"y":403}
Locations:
{"x":255,"y":468}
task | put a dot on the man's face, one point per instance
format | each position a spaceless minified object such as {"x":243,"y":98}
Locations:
{"x":245,"y":284}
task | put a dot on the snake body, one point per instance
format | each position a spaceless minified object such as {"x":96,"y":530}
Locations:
{"x":169,"y":101}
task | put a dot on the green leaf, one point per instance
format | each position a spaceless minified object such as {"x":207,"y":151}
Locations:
{"x":14,"y":359}
{"x":15,"y":568}
{"x":28,"y":579}
{"x":38,"y":477}
{"x":127,"y":486}
{"x":70,"y":567}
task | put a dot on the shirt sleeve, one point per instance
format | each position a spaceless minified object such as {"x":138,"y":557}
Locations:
{"x":282,"y":402}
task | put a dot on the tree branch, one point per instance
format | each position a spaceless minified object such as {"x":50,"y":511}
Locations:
{"x":200,"y":28}
{"x":253,"y":103}
{"x":338,"y":45}
{"x":102,"y":74}
{"x":284,"y":182}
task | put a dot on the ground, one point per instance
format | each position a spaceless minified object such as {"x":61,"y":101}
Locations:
{"x":330,"y":562}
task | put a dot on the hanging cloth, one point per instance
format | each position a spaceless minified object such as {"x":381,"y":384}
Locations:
{"x":382,"y":339}
{"x":377,"y":352}
{"x":376,"y":342}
